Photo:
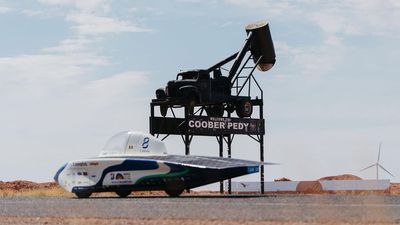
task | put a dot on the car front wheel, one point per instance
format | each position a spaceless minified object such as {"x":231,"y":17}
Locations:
{"x":83,"y":194}
{"x":215,"y":110}
{"x":123,"y":193}
{"x":163,"y":110}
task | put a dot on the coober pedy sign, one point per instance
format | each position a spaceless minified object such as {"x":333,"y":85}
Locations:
{"x":208,"y":126}
{"x":221,"y":125}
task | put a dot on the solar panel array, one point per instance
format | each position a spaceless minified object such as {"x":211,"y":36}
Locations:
{"x":202,"y":161}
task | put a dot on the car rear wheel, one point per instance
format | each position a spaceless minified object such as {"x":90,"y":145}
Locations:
{"x":83,"y":194}
{"x":244,"y":108}
{"x":123,"y":193}
{"x":174,"y":192}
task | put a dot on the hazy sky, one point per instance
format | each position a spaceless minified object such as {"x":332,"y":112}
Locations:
{"x":73,"y":73}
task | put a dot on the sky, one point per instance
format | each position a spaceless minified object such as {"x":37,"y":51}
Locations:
{"x":73,"y":73}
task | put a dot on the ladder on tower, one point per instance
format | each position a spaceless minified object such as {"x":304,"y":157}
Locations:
{"x":242,"y":81}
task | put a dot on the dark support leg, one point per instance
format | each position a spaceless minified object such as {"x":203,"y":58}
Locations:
{"x":262,"y":160}
{"x":187,"y":138}
{"x":187,"y":144}
{"x":262,"y":152}
{"x":221,"y":154}
{"x":229,"y":156}
{"x":151,"y":118}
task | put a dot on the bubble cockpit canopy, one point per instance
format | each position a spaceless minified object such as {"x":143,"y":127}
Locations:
{"x":131,"y":143}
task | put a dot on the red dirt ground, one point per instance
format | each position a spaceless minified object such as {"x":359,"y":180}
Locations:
{"x":306,"y":187}
{"x":25,"y":185}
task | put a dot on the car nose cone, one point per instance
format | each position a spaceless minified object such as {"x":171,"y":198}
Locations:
{"x":56,"y":176}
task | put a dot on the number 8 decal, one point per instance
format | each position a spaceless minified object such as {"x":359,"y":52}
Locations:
{"x":145,"y":143}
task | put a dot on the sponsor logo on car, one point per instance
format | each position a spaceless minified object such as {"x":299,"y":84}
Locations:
{"x":77,"y":164}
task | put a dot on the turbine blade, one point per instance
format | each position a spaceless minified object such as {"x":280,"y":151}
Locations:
{"x":270,"y":163}
{"x":379,"y":152}
{"x":368,"y":167}
{"x":385,"y":170}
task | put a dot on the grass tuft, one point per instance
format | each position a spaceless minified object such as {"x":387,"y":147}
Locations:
{"x":41,"y":192}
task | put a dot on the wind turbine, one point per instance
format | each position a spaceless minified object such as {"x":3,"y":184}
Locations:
{"x":377,"y":165}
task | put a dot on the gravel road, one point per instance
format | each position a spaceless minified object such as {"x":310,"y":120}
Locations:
{"x":280,"y":209}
